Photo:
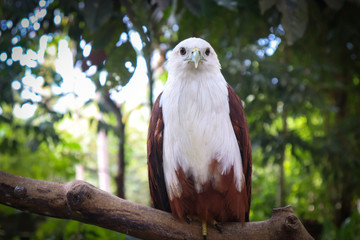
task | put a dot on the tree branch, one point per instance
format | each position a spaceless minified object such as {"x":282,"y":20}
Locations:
{"x":83,"y":202}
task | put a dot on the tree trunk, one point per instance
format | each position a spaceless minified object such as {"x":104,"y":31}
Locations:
{"x":79,"y":172}
{"x":83,"y":202}
{"x":343,"y":188}
{"x":147,"y":56}
{"x":120,"y":177}
{"x":281,"y":193}
{"x":281,"y":190}
{"x":103,"y":159}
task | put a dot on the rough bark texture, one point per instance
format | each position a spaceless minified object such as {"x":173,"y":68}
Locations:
{"x":83,"y":202}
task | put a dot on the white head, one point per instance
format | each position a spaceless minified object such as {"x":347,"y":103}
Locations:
{"x":194,"y":54}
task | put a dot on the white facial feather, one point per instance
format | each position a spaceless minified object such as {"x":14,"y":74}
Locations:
{"x":176,"y":61}
{"x":197,"y":126}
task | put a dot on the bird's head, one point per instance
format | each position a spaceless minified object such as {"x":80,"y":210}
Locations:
{"x":193,"y":53}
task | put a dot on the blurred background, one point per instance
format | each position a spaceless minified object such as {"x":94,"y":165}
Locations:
{"x":78,"y":80}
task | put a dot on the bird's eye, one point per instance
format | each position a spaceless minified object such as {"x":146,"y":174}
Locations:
{"x":207,"y":51}
{"x":182,"y":51}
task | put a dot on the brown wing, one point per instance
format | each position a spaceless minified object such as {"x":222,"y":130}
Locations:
{"x":238,"y":120}
{"x":157,"y":185}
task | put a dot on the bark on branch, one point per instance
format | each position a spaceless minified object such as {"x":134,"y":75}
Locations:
{"x":83,"y":202}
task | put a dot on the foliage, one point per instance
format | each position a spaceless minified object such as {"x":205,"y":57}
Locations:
{"x":348,"y":230}
{"x":44,"y":160}
{"x":69,"y":229}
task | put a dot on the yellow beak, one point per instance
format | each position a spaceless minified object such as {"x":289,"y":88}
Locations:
{"x":195,"y":56}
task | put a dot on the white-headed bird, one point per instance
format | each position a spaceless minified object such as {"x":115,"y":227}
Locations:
{"x":198,"y":147}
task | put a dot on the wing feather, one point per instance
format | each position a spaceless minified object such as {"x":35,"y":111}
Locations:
{"x":238,"y":120}
{"x":157,"y":185}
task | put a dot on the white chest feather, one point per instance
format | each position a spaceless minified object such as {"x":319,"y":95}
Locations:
{"x":198,"y":130}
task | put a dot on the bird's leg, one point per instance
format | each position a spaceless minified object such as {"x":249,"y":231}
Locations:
{"x":204,"y":229}
{"x":216,"y":225}
{"x":189,"y":219}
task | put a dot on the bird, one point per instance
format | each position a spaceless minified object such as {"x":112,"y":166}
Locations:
{"x":198,"y":146}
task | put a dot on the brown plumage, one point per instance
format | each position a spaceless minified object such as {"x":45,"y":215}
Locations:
{"x":221,"y":202}
{"x":199,"y":152}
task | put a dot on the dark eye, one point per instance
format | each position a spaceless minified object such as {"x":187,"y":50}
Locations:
{"x":182,"y":51}
{"x":207,"y":51}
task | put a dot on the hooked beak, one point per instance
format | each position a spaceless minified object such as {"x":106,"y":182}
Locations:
{"x":195,"y":56}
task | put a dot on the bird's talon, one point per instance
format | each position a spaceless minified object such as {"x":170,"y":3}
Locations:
{"x":204,"y":229}
{"x":216,"y":225}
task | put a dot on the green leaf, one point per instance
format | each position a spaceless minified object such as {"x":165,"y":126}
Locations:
{"x":335,"y":4}
{"x":266,"y":5}
{"x":96,"y":13}
{"x":161,"y":4}
{"x":118,"y":74}
{"x":294,"y":18}
{"x":229,"y":4}
{"x":108,"y":34}
{"x":193,"y":6}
